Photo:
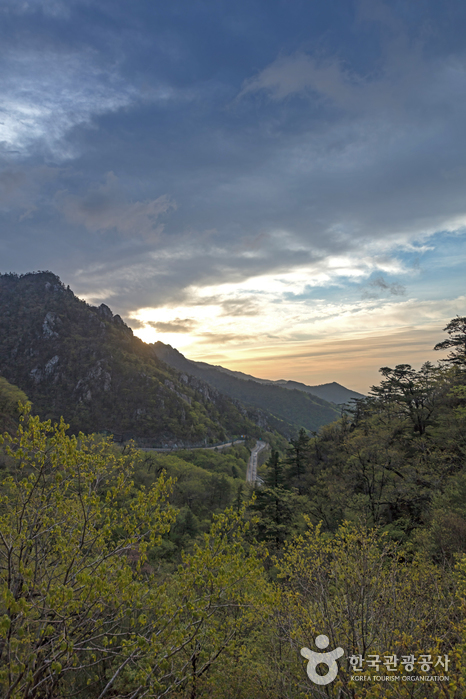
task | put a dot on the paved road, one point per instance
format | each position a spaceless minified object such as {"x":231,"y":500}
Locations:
{"x":251,"y":473}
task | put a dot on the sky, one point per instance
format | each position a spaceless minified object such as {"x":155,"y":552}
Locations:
{"x":278,"y":187}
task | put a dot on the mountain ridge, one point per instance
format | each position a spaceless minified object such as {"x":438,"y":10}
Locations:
{"x":294,"y":406}
{"x":332,"y":392}
{"x":84,"y":363}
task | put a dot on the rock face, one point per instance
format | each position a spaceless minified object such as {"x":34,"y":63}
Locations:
{"x":84,"y":363}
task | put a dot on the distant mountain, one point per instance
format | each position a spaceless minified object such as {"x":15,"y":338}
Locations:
{"x":331,"y":392}
{"x":84,"y":363}
{"x":300,"y":407}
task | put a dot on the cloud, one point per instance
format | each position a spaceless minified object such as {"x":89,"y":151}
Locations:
{"x":288,"y":75}
{"x":239,"y":307}
{"x":352,"y":361}
{"x":344,"y":342}
{"x":51,"y":8}
{"x":338,"y":165}
{"x":46,"y":93}
{"x":21,"y":188}
{"x":406,"y":83}
{"x":284,"y":188}
{"x":103,"y":208}
{"x":379,"y":285}
{"x":185,"y":325}
{"x":213,"y":338}
{"x":375,"y":11}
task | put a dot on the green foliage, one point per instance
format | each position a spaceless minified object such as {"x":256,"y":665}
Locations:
{"x":232,"y":461}
{"x":298,"y":458}
{"x":367,"y":596}
{"x":456,"y":329}
{"x":10,"y":398}
{"x":408,"y":394}
{"x":121,"y":575}
{"x":277,"y":505}
{"x":385,"y":462}
{"x":206,"y":482}
{"x":74,"y":539}
{"x":82,"y":611}
{"x":359,"y":587}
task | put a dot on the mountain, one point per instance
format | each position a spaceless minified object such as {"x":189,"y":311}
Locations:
{"x":301,"y":408}
{"x":330,"y":392}
{"x":84,"y":363}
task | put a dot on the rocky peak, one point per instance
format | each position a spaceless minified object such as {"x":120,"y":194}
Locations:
{"x":105,"y":311}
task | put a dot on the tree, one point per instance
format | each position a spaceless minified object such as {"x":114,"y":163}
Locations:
{"x":275,"y":476}
{"x":298,"y":459}
{"x":407,"y":393}
{"x":73,"y":541}
{"x":81,"y":610}
{"x":360,"y":590}
{"x":456,"y":329}
{"x":10,"y":398}
{"x":276,"y":504}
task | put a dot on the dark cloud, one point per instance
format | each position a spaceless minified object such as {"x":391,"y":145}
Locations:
{"x":21,"y":187}
{"x":134,"y":323}
{"x":178,"y":325}
{"x":103,"y":208}
{"x":287,"y":136}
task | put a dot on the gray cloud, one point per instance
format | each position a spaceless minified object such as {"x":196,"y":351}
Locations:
{"x":403,"y":75}
{"x":51,"y":8}
{"x":288,"y":75}
{"x":239,"y":307}
{"x":21,"y":187}
{"x":103,"y":207}
{"x":223,"y":338}
{"x":379,"y":286}
{"x":178,"y":325}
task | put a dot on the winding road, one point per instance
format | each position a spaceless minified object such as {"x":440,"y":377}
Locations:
{"x":251,"y":473}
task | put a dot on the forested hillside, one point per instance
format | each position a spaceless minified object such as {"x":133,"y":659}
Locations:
{"x":295,"y":407}
{"x":83,"y":363}
{"x":329,"y":392}
{"x":397,"y":461}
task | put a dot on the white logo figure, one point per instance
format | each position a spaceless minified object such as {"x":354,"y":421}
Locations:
{"x":329,"y":659}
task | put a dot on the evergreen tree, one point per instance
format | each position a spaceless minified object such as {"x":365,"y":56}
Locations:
{"x":298,"y":460}
{"x":275,"y":475}
{"x":456,"y":329}
{"x":276,"y":504}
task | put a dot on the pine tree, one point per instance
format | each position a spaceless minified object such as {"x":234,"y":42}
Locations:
{"x":298,"y":460}
{"x":276,"y":504}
